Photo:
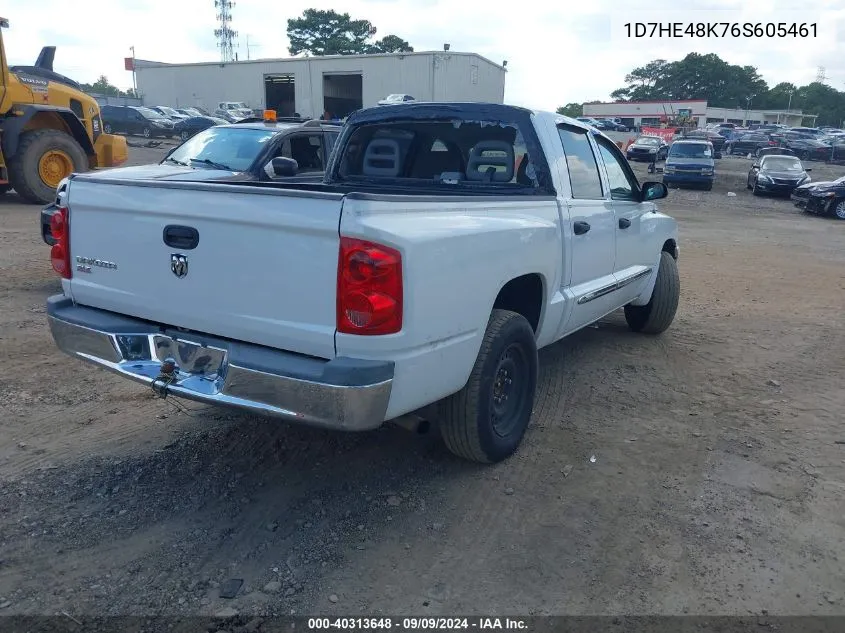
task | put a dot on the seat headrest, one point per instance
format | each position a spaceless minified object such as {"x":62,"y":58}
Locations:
{"x":382,"y":158}
{"x":486,"y":157}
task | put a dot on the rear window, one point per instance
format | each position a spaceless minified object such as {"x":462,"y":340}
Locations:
{"x":439,"y":153}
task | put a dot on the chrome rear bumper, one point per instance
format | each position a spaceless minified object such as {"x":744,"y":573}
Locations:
{"x":343,"y":393}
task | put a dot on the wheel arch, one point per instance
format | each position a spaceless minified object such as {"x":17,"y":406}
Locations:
{"x":38,"y":117}
{"x":524,"y":295}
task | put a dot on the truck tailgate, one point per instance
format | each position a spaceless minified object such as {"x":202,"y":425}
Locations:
{"x":264,"y":269}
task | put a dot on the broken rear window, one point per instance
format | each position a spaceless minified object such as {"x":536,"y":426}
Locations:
{"x":439,"y":152}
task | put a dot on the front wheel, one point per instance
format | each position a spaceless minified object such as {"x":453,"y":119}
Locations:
{"x":486,"y":420}
{"x":839,"y":210}
{"x":755,"y":191}
{"x":657,"y":315}
{"x":184,"y":136}
{"x":107,"y":128}
{"x":147,"y":132}
{"x":43,"y":159}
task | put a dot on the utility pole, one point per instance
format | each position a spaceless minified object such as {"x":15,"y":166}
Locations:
{"x":248,"y":46}
{"x":134,"y":82}
{"x":748,"y":108}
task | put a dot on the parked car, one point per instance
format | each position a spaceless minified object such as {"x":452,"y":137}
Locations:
{"x":327,"y":304}
{"x":648,"y":148}
{"x":808,"y":131}
{"x":589,"y":121}
{"x":396,"y":98}
{"x":776,"y":174}
{"x":822,"y":198}
{"x":237,"y":110}
{"x":171,"y":113}
{"x":749,"y":143}
{"x":240,"y":152}
{"x":690,"y":162}
{"x":135,"y":120}
{"x":717,"y":140}
{"x":808,"y":149}
{"x":610,"y":124}
{"x":186,"y":128}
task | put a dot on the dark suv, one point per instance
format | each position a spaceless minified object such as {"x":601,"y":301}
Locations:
{"x":136,"y":120}
{"x":750,"y":143}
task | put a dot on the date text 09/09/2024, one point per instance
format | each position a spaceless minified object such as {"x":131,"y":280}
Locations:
{"x":720,"y":29}
{"x":418,"y":624}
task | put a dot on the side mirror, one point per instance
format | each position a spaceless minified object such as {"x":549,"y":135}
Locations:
{"x":653,"y":191}
{"x":755,"y":166}
{"x":281,"y":167}
{"x":808,"y":169}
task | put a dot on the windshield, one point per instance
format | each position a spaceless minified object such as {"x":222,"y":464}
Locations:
{"x":168,"y":110}
{"x":223,"y":148}
{"x":150,"y":114}
{"x":782,"y":163}
{"x":690,"y":150}
{"x":648,"y":140}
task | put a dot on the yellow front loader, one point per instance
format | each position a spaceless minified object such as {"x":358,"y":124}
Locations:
{"x":49,"y":128}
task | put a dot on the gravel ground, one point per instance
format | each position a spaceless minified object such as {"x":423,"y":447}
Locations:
{"x":700,"y":472}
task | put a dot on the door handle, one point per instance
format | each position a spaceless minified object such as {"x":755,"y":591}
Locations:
{"x":580,"y":228}
{"x":181,"y":237}
{"x":624,"y":223}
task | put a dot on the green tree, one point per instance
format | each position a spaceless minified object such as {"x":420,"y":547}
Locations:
{"x":391,"y":44}
{"x":642,"y":81}
{"x":319,"y":32}
{"x":818,"y":98}
{"x":571,"y":110}
{"x":103,"y":87}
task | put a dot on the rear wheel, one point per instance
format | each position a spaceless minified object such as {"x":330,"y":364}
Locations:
{"x":147,"y":132}
{"x":43,"y":159}
{"x":486,"y":420}
{"x":755,"y":190}
{"x":657,"y":315}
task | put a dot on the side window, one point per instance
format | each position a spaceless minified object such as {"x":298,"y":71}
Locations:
{"x":623,"y":185}
{"x":581,"y":163}
{"x":305,"y":150}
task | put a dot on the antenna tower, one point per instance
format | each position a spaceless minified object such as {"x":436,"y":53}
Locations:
{"x":224,"y":33}
{"x":820,"y":74}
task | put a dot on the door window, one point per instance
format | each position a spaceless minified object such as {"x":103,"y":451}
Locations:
{"x":623,"y":183}
{"x":581,"y":163}
{"x":305,"y":149}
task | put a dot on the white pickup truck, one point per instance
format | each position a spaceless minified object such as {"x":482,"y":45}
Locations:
{"x":447,"y":243}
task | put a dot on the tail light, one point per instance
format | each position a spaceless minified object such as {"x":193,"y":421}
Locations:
{"x":60,"y":252}
{"x":369,"y":288}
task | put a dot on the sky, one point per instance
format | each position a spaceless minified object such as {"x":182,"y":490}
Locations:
{"x":557,"y":52}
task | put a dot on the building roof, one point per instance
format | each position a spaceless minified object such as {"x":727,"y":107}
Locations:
{"x":144,"y":63}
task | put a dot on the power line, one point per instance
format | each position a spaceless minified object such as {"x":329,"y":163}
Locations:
{"x":224,"y":33}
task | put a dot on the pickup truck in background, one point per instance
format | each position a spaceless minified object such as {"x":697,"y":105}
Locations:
{"x":446,"y":244}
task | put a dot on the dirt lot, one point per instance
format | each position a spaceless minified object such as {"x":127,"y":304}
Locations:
{"x":717,"y":485}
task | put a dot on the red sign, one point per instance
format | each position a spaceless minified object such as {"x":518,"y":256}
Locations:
{"x":129,"y":63}
{"x":665,"y":133}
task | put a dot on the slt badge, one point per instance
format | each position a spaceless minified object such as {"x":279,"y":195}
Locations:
{"x":179,"y":265}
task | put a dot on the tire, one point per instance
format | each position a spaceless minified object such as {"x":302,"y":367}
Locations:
{"x":755,"y":191}
{"x":804,"y":155}
{"x":708,"y":186}
{"x":107,"y":128}
{"x":184,"y":136}
{"x":748,"y":184}
{"x":5,"y":189}
{"x":657,"y":315}
{"x":147,"y":132}
{"x":508,"y":351}
{"x":839,"y":210}
{"x":27,"y":166}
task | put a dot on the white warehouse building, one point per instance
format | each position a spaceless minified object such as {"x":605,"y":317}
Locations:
{"x":313,"y":86}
